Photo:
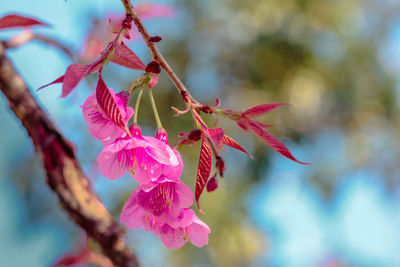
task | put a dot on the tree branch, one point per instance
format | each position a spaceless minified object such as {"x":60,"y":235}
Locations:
{"x":64,"y":175}
{"x":157,"y":56}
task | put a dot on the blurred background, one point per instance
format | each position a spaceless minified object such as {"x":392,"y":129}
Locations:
{"x":336,"y":62}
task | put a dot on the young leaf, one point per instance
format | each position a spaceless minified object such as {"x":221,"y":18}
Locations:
{"x":216,"y":136}
{"x":261,"y":109}
{"x":232,"y":143}
{"x":127,"y":58}
{"x":272,"y":142}
{"x":13,"y":21}
{"x":58,"y":80}
{"x":203,"y":170}
{"x":73,"y":75}
{"x":106,"y":100}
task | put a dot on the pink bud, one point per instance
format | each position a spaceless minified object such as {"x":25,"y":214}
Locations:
{"x":212,"y":184}
{"x":135,"y":130}
{"x":161,"y":134}
{"x":155,"y":39}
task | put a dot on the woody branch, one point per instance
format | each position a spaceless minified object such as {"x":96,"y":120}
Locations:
{"x":63,"y":173}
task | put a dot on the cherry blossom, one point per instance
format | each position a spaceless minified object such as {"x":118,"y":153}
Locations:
{"x":99,"y":123}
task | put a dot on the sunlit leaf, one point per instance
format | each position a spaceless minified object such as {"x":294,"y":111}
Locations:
{"x":203,"y":170}
{"x":261,"y":109}
{"x":124,"y":56}
{"x":226,"y":140}
{"x":272,"y":142}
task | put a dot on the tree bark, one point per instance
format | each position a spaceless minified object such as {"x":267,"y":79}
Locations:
{"x":63,"y":173}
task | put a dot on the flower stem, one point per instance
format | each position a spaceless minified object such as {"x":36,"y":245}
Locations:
{"x":154,"y":107}
{"x":137,"y":105}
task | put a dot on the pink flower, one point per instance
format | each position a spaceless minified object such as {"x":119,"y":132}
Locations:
{"x":99,"y":124}
{"x":190,"y":228}
{"x":145,"y":157}
{"x":156,"y":203}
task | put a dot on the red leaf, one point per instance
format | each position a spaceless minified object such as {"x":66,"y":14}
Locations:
{"x":13,"y":21}
{"x":216,"y":136}
{"x":73,"y":75}
{"x":124,"y":56}
{"x":272,"y":142}
{"x":58,"y":80}
{"x":261,"y":109}
{"x":232,"y":143}
{"x":106,"y":100}
{"x":203,"y":170}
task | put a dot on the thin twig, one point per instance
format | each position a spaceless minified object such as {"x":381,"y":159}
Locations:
{"x":157,"y":56}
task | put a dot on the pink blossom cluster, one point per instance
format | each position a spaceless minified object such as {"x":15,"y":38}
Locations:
{"x":161,"y":201}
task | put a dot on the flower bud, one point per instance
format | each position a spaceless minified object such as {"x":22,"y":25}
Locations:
{"x":212,"y":184}
{"x":153,"y":67}
{"x":195,"y":135}
{"x":135,"y":130}
{"x":161,"y":134}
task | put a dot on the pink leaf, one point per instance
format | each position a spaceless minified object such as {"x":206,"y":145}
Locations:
{"x":58,"y":80}
{"x":262,"y":125}
{"x":107,"y":101}
{"x":261,"y":109}
{"x":203,"y":170}
{"x":216,"y":136}
{"x":272,"y":142}
{"x":124,"y":56}
{"x":73,"y":75}
{"x":13,"y":20}
{"x":232,"y":143}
